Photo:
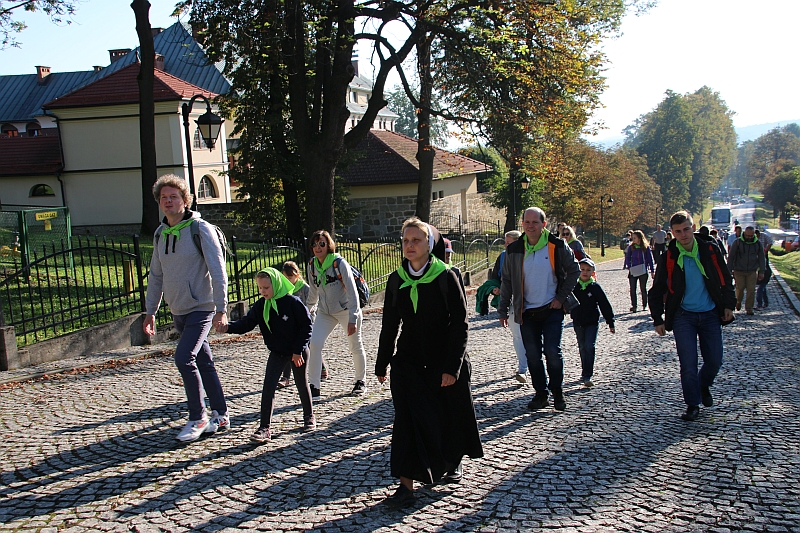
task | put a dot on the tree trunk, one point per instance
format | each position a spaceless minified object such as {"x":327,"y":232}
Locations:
{"x":147,"y":126}
{"x":425,"y":152}
{"x":319,"y":191}
{"x":291,"y":203}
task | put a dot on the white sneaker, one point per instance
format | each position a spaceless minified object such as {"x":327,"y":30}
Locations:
{"x":218,"y":423}
{"x":192,"y":430}
{"x":521,"y":378}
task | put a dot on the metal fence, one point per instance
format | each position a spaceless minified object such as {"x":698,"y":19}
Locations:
{"x":64,"y":288}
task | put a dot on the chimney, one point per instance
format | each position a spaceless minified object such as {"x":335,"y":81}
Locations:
{"x":97,"y":68}
{"x":118,"y":53}
{"x":42,"y":73}
{"x":156,"y":31}
{"x":159,"y":62}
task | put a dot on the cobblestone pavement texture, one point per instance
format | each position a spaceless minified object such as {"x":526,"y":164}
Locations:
{"x":96,"y":451}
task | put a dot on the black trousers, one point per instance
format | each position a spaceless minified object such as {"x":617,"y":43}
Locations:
{"x":275,"y":365}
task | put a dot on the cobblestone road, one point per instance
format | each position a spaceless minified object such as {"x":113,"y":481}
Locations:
{"x":96,"y":451}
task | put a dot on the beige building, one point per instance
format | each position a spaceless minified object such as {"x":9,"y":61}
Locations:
{"x":99,"y":132}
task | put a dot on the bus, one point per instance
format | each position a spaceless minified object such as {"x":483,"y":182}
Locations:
{"x":721,"y":217}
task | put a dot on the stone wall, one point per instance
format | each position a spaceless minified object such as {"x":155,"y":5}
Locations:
{"x":384,"y":216}
{"x":223,"y":215}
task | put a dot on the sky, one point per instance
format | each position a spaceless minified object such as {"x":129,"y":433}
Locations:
{"x":744,"y":50}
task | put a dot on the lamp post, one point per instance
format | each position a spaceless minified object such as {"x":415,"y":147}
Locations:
{"x":524,"y":182}
{"x":603,"y":199}
{"x":209,"y":125}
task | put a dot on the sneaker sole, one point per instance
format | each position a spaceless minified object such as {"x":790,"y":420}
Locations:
{"x":520,"y":379}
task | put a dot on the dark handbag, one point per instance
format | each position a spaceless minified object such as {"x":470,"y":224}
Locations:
{"x":571,"y":303}
{"x":537,"y":314}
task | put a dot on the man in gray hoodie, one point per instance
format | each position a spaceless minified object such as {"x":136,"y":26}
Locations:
{"x":747,"y":264}
{"x":193,"y":281}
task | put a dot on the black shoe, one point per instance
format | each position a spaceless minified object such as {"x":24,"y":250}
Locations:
{"x":403,"y":497}
{"x":538,"y":402}
{"x":691,"y":414}
{"x":315,"y":394}
{"x":454,"y":476}
{"x":359,"y":388}
{"x":708,"y":401}
{"x":558,"y":402}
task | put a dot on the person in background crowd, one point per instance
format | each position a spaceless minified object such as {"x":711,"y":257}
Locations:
{"x":516,"y":335}
{"x":659,"y":242}
{"x":568,"y":234}
{"x":715,"y":235}
{"x":638,"y":261}
{"x":737,"y":232}
{"x":434,"y":417}
{"x":539,"y":273}
{"x":762,"y":300}
{"x":693,"y":297}
{"x":747,"y":264}
{"x":195,"y":286}
{"x":448,"y":256}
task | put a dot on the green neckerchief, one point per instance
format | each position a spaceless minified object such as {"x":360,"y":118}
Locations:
{"x":530,"y":248}
{"x":584,"y":284}
{"x":298,"y":285}
{"x":755,"y":240}
{"x":176,"y":229}
{"x":329,"y":259}
{"x":570,"y":241}
{"x":693,"y":254}
{"x":436,"y":267}
{"x":280,"y":288}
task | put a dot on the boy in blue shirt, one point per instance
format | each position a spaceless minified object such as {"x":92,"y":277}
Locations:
{"x":693,"y":291}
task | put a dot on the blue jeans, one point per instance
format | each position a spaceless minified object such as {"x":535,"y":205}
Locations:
{"x":545,"y":338}
{"x":587,"y":336}
{"x":762,"y":300}
{"x":688,"y":327}
{"x":196,"y":364}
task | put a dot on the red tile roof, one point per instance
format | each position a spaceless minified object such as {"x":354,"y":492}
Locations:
{"x":387,"y":157}
{"x":121,"y":88}
{"x":27,"y":156}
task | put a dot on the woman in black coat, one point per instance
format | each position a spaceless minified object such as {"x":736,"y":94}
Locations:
{"x":434,"y":424}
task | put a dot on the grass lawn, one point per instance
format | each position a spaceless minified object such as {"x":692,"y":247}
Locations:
{"x":788,"y":264}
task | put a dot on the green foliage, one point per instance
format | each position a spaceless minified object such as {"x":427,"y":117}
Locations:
{"x":690,"y":145}
{"x":783,"y":189}
{"x":407,"y":122}
{"x":57,"y":10}
{"x":770,"y":151}
{"x":493,"y":179}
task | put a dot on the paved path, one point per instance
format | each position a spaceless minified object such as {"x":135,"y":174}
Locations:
{"x":96,"y":451}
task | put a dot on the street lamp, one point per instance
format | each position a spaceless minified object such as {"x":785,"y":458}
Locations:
{"x":603,"y":199}
{"x":524,"y":182}
{"x":209,"y":125}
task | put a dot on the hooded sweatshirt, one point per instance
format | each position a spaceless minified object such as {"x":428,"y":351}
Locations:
{"x":187,"y":281}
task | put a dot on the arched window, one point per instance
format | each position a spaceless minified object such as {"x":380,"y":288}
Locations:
{"x":9,"y":129}
{"x":206,"y":188}
{"x":42,"y":190}
{"x":33,"y":129}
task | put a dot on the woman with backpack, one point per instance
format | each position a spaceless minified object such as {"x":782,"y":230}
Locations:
{"x":434,"y":421}
{"x":638,"y":261}
{"x":334,"y":295}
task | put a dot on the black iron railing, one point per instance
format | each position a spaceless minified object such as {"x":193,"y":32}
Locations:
{"x":67,"y":288}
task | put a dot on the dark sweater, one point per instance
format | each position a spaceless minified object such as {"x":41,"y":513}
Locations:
{"x":290,"y":326}
{"x":592,"y":298}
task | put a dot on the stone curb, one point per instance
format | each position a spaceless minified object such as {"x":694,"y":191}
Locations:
{"x":790,"y":295}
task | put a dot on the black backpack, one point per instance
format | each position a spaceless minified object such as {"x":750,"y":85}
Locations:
{"x":361,"y":284}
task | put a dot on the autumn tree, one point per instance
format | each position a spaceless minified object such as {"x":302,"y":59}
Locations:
{"x":10,"y":11}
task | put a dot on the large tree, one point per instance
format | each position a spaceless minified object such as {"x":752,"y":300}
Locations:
{"x":407,"y":116}
{"x":778,"y":144}
{"x":666,"y":137}
{"x":10,"y":10}
{"x":714,"y":145}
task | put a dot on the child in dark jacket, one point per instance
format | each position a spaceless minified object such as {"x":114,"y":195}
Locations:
{"x":286,"y":327}
{"x":586,"y":317}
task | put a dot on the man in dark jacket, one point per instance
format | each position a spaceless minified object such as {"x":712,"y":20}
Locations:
{"x":692,"y":290}
{"x":539,"y":271}
{"x":747,"y":264}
